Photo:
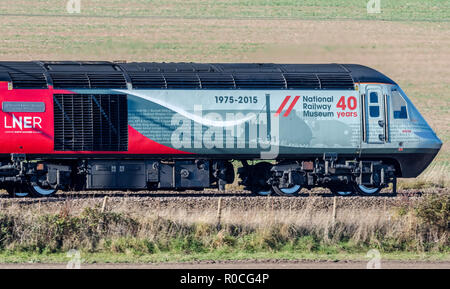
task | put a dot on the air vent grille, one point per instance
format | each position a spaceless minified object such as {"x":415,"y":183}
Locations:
{"x":336,"y":81}
{"x":216,"y":80}
{"x":88,"y":80}
{"x":87,"y":122}
{"x":302,"y":81}
{"x":70,"y":80}
{"x":28,"y":80}
{"x":104,"y":80}
{"x":259,"y":81}
{"x":141,"y":80}
{"x":181,"y":80}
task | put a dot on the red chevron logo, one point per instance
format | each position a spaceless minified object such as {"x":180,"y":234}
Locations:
{"x":283,"y":104}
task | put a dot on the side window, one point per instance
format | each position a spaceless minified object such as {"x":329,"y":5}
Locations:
{"x":373,"y":97}
{"x":398,"y":105}
{"x":374,"y":109}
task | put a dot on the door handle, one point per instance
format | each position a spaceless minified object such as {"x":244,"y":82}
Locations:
{"x":381,"y":137}
{"x":381,"y":123}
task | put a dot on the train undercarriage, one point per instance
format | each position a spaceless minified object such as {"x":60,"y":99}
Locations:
{"x":39,"y":178}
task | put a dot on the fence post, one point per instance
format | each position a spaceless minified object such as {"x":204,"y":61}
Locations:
{"x":334,"y":210}
{"x":219,"y":213}
{"x":104,"y":204}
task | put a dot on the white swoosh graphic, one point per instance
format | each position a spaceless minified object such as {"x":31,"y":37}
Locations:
{"x":194,"y":117}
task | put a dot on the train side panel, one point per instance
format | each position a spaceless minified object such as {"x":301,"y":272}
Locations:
{"x":200,"y":122}
{"x":248,"y":122}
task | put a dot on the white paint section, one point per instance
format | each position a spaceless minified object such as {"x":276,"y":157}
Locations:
{"x":195,"y":117}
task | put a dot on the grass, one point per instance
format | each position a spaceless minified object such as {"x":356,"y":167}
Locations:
{"x":87,"y":257}
{"x":402,"y":10}
{"x":405,"y":231}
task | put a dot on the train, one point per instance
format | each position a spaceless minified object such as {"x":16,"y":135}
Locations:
{"x":280,"y":128}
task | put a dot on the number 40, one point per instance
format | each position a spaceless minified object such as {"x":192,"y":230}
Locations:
{"x":351,"y":103}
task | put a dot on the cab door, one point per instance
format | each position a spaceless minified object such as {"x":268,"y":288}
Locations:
{"x":375,"y":116}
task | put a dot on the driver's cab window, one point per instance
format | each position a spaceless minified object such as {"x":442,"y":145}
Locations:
{"x":398,"y":105}
{"x":374,"y":108}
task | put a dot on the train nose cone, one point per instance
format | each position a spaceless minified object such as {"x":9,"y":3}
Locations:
{"x":437,"y":141}
{"x":440,"y":142}
{"x":429,"y":139}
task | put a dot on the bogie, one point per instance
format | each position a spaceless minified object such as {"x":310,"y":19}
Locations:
{"x":18,"y":191}
{"x":284,"y":178}
{"x":255,"y":178}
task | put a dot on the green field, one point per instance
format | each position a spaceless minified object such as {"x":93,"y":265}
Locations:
{"x":401,"y":10}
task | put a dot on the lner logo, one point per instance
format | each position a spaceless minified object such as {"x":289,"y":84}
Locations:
{"x":283,"y":104}
{"x":22,"y":122}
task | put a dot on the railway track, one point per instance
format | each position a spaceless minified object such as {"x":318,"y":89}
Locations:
{"x":208,"y":199}
{"x":324,"y":193}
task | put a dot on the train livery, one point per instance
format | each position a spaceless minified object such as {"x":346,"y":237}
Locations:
{"x":135,"y":126}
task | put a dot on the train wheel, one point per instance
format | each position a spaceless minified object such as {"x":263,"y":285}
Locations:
{"x":18,"y":191}
{"x":260,"y":175}
{"x":367,"y":190}
{"x":38,"y":191}
{"x":287,"y":192}
{"x":343,"y":190}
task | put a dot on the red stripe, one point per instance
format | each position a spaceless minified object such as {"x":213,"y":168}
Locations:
{"x":286,"y":99}
{"x":288,"y":111}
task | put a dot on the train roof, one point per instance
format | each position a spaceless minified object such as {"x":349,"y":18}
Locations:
{"x":152,"y":75}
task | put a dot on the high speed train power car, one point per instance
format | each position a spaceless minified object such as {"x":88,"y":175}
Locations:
{"x":147,"y":126}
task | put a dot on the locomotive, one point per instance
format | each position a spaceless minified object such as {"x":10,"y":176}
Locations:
{"x":147,"y":126}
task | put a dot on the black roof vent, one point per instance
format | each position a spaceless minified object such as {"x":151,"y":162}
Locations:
{"x":14,"y":66}
{"x":28,"y":80}
{"x":261,"y":80}
{"x":88,"y":80}
{"x":216,"y":80}
{"x":142,"y":80}
{"x":107,"y":80}
{"x":166,"y":67}
{"x":70,"y":80}
{"x":81,"y":67}
{"x":249,"y":67}
{"x":181,"y":80}
{"x":24,"y":74}
{"x":302,"y":80}
{"x":104,"y":75}
{"x":313,"y":68}
{"x":336,"y":81}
